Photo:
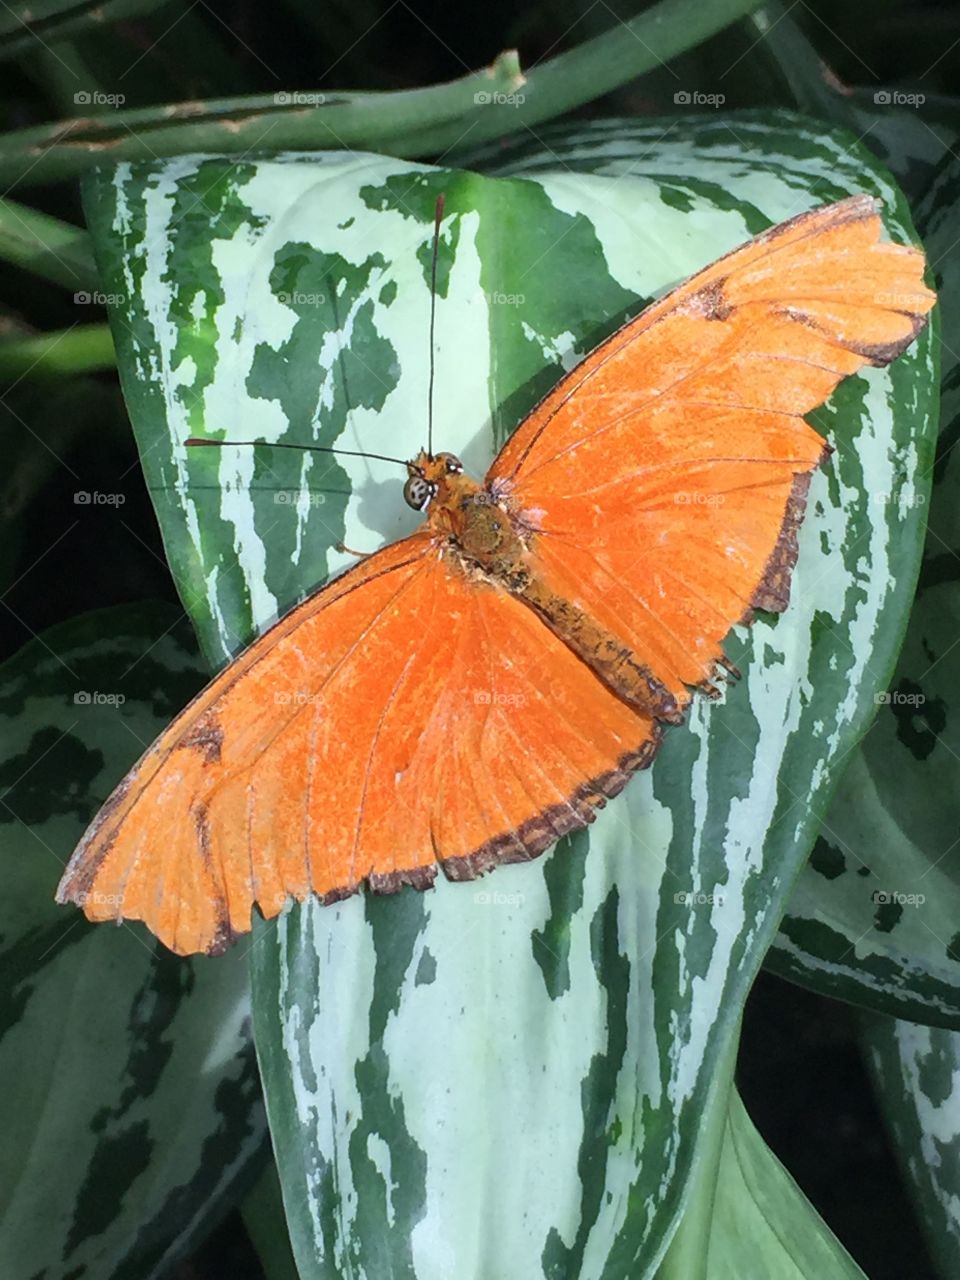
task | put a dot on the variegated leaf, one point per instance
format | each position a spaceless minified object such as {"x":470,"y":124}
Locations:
{"x":131,"y":1110}
{"x":875,"y":918}
{"x":505,"y":1078}
{"x":916,"y":1072}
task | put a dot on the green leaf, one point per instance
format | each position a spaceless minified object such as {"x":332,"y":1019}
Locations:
{"x":875,"y":918}
{"x":916,"y":1073}
{"x":48,"y":247}
{"x":549,"y":1037}
{"x":760,"y":1214}
{"x":263,"y":1217}
{"x":136,"y":1066}
{"x":744,"y":1214}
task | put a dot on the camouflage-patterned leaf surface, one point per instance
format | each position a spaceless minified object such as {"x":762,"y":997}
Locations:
{"x":876,"y":916}
{"x":130,"y":1108}
{"x":537,"y":1051}
{"x":916,"y":1072}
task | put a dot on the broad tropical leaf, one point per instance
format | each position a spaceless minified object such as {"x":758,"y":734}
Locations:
{"x":547,"y":1037}
{"x":138,"y":1066}
{"x":873,"y":915}
{"x":875,"y":918}
{"x":909,"y":789}
{"x":916,"y":1073}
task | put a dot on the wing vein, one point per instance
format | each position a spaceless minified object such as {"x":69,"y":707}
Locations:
{"x":239,"y":770}
{"x":391,"y":699}
{"x":665,"y":396}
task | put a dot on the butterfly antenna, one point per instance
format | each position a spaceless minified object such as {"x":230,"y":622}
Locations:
{"x":437,"y":219}
{"x":195,"y":441}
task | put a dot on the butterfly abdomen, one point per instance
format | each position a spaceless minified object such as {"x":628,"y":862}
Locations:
{"x":612,"y":661}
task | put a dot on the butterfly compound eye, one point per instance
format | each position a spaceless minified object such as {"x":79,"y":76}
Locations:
{"x":452,"y":462}
{"x":417,"y":492}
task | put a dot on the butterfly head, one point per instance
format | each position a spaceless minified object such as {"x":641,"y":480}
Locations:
{"x":432,"y":478}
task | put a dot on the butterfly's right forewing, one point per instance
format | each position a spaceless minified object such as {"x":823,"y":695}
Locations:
{"x":665,"y":476}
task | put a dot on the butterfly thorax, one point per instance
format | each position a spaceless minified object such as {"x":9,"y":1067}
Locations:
{"x":486,"y":535}
{"x":479,"y":527}
{"x":477,"y":523}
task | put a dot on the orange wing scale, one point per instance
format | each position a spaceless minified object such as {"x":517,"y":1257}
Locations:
{"x":415,"y":713}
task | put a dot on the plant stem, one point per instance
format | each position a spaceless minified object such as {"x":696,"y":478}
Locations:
{"x":46,"y":246}
{"x":814,"y":89}
{"x":47,"y":22}
{"x":413,"y":122}
{"x":62,"y":74}
{"x":80,"y":349}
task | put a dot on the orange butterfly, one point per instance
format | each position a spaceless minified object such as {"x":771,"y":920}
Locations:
{"x":468,"y":695}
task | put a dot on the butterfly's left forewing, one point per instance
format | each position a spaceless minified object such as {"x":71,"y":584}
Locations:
{"x":410,"y":714}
